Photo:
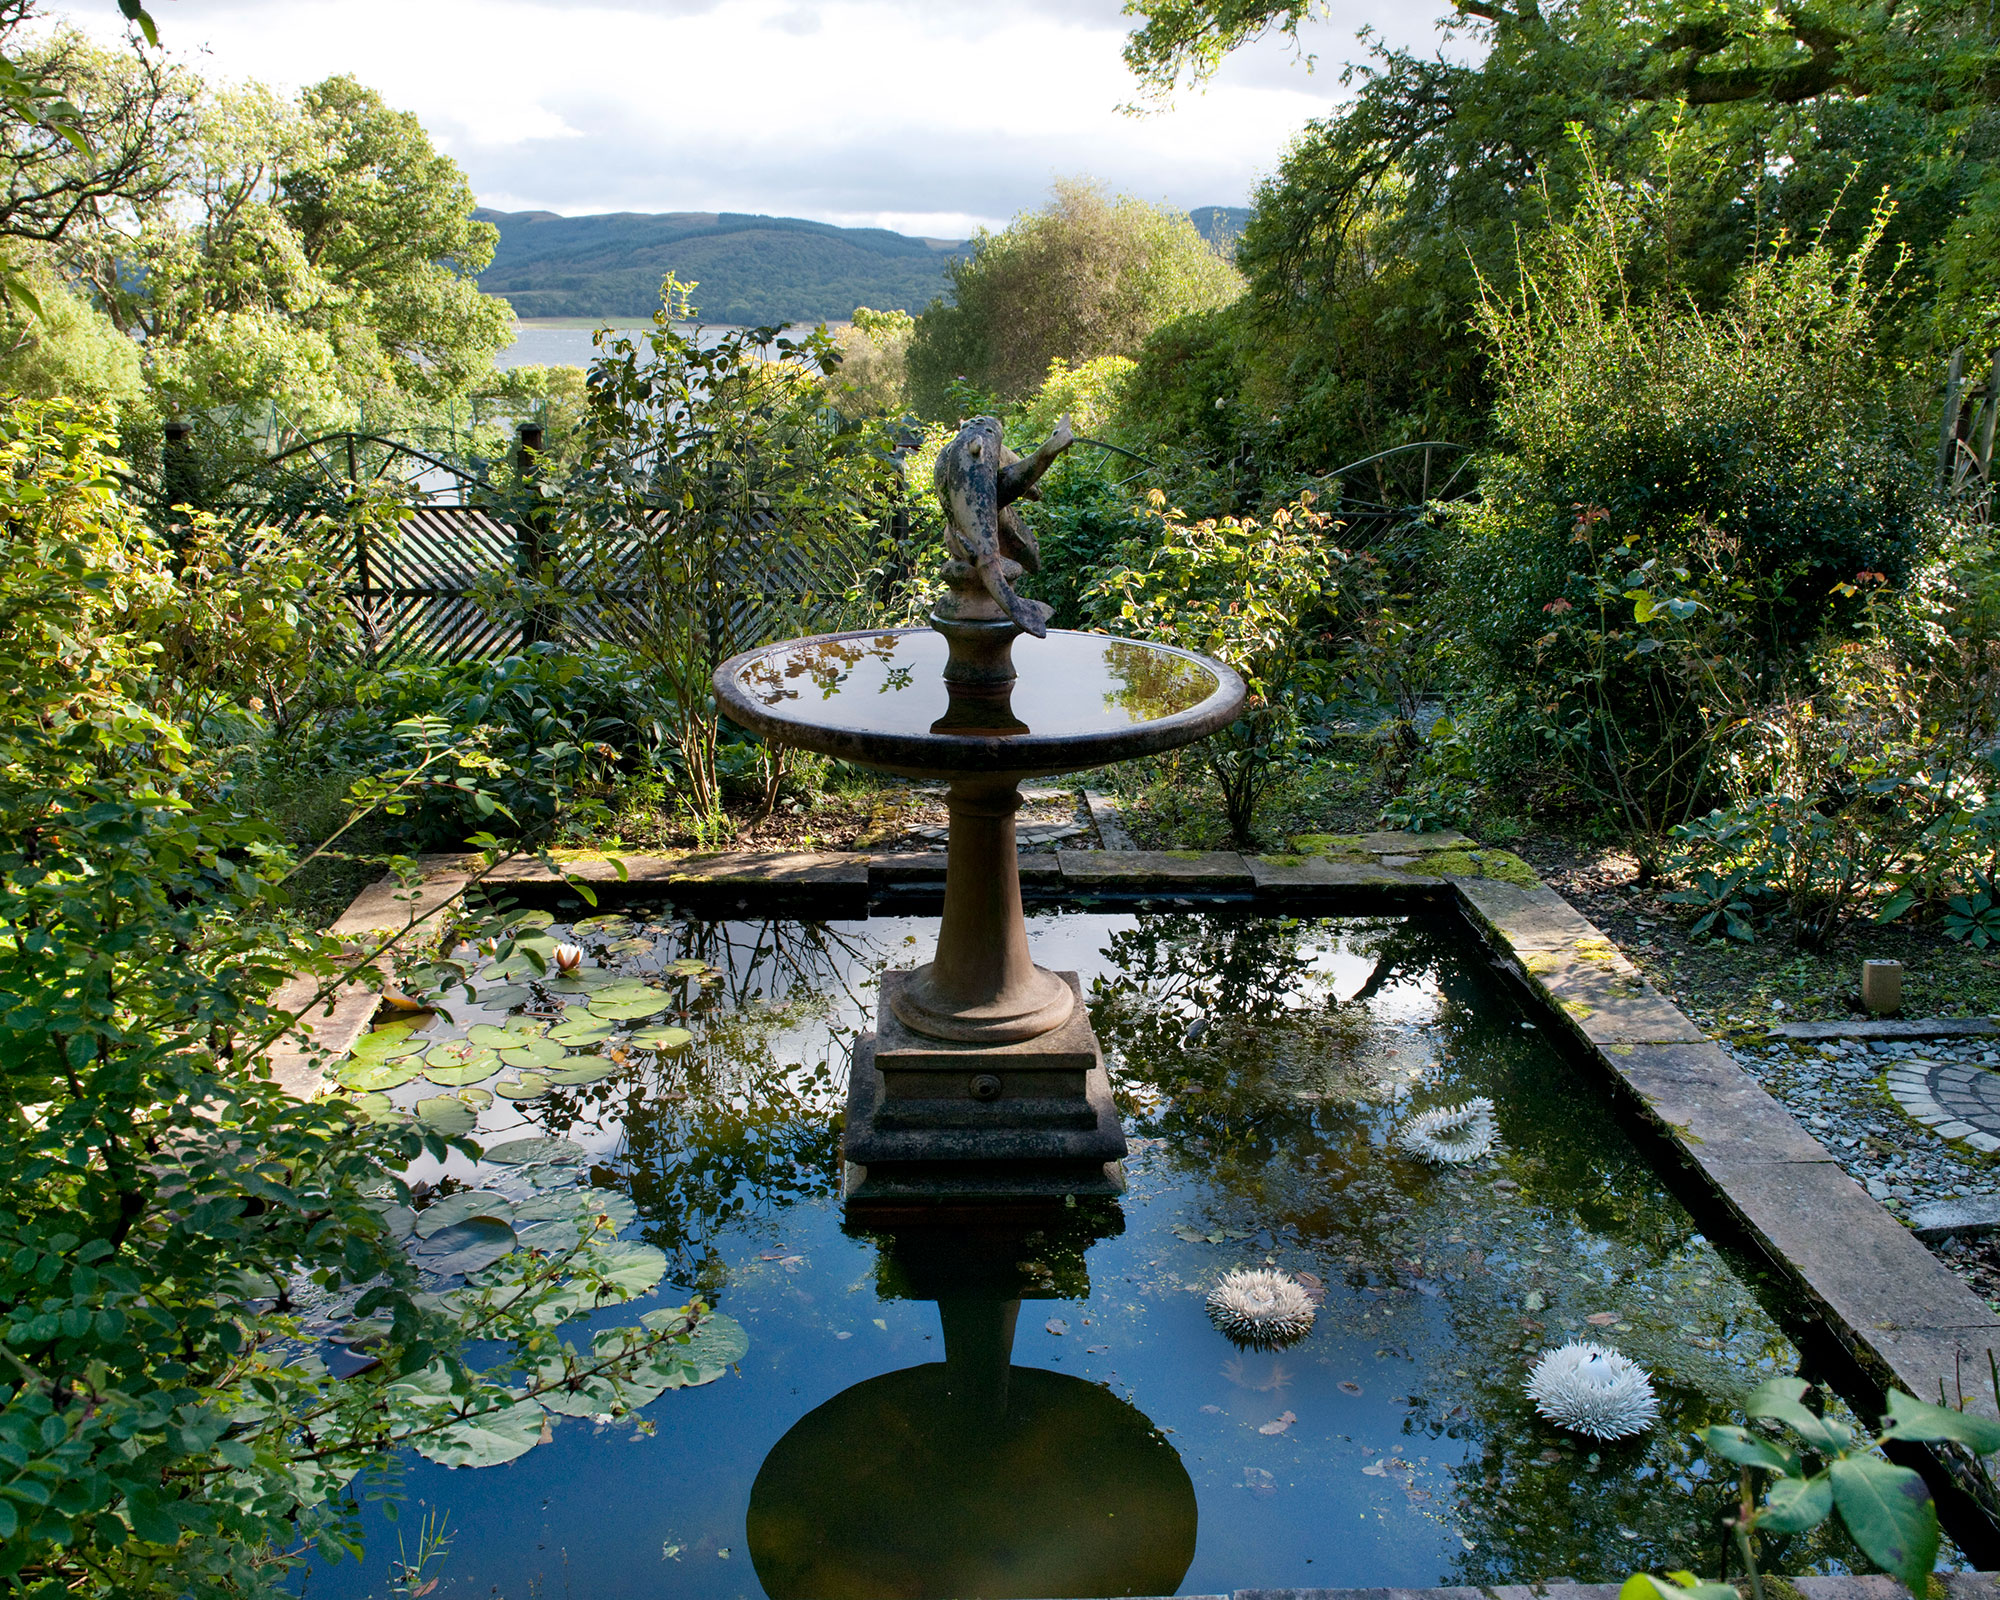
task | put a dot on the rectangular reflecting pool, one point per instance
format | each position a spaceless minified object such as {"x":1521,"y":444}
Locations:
{"x":1262,"y":1065}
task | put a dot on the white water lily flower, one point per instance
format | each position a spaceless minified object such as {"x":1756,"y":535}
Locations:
{"x":1593,"y":1390}
{"x":568,"y":957}
{"x":1451,"y":1135}
{"x":1257,"y":1306}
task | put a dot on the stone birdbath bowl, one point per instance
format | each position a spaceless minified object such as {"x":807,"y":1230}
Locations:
{"x":950,"y":701}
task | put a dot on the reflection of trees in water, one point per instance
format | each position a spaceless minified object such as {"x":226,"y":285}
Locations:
{"x":825,"y":664}
{"x":1150,"y":684}
{"x":1273,"y":1113}
{"x":740,"y":1123}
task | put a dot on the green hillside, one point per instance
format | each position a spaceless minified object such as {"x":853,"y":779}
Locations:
{"x":750,"y":269}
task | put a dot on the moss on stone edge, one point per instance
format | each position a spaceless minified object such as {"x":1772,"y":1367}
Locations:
{"x":1281,"y":860}
{"x":1338,"y":845}
{"x":1503,"y":865}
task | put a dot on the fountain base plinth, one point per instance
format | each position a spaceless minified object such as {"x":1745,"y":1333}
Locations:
{"x":931,"y":1118}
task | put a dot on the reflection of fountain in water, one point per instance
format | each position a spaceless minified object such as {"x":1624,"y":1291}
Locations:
{"x":971,"y":1476}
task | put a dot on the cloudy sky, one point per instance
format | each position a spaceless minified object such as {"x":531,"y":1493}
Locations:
{"x":928,"y":116}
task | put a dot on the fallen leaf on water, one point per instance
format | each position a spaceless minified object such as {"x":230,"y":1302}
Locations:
{"x":1601,"y":1319}
{"x":1057,"y":1326}
{"x":1315,"y":1290}
{"x":1095,"y":1349}
{"x":1284,"y":1421}
{"x":1375,"y":1471}
{"x":1259,"y":1482}
{"x":1349,"y":1386}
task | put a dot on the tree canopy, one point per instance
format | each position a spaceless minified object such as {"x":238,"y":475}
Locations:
{"x":1088,"y":275}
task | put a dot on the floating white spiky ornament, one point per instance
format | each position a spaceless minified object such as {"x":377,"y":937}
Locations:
{"x":1451,"y":1135}
{"x":1260,"y":1307}
{"x":1593,"y":1390}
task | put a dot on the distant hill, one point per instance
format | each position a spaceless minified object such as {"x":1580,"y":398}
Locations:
{"x":1221,"y":225}
{"x":751,"y":269}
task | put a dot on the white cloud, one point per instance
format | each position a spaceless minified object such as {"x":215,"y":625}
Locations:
{"x":921,"y":115}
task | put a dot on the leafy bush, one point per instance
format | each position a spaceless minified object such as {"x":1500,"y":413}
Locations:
{"x":1683,"y":503}
{"x":1260,"y":597}
{"x":161,"y":1429}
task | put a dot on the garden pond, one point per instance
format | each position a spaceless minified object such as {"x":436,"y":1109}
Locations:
{"x":694,"y":1077}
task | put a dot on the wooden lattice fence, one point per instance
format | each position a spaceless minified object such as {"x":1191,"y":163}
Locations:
{"x":454,"y":577}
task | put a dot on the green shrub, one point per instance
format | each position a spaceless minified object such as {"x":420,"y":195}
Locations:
{"x":1682,"y":504}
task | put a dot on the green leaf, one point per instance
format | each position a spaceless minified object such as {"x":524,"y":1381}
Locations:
{"x":494,"y":1036}
{"x":465,"y":1247}
{"x":529,"y":1086}
{"x":1795,"y":1504}
{"x":1889,"y":1512}
{"x":661,"y":1038}
{"x":375,"y":1076}
{"x":535,"y":1152}
{"x":534,"y":1053}
{"x":581,"y":1030}
{"x":628,"y":1010}
{"x":454,"y":1065}
{"x":630,"y":1266}
{"x":1783,"y":1400}
{"x":1644,"y":1586}
{"x":485,"y":1440}
{"x":1910,"y":1418}
{"x":454,"y":1208}
{"x":447,"y":1114}
{"x":1745,"y":1448}
{"x":582,"y":1069}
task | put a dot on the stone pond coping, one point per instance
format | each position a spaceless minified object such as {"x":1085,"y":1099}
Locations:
{"x":1956,"y":1585}
{"x":1893,"y":1309}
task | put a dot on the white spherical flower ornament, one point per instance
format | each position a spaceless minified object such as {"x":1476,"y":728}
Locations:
{"x":1261,"y":1308}
{"x":1593,"y":1390}
{"x":1451,"y":1135}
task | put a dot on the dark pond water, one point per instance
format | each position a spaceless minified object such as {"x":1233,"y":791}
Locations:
{"x":1262,"y":1065}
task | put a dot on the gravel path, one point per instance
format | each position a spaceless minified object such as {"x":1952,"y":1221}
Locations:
{"x":1837,"y":1091}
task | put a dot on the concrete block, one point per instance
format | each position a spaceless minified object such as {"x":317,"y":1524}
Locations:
{"x":1280,"y":874}
{"x":1895,"y":1028}
{"x":385,"y":906}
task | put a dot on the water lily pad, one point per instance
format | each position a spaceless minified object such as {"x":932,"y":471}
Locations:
{"x":533,"y":1053}
{"x":615,"y":1207}
{"x":461,"y":1062}
{"x":536,"y":1152}
{"x":465,"y":1246}
{"x":447,"y":1114}
{"x":496,"y":1036}
{"x":581,"y":1030}
{"x":630,"y":1265}
{"x":390,"y":1040}
{"x":503,"y":997}
{"x":531,"y":919}
{"x":375,"y":1107}
{"x":627,"y":989}
{"x":478,"y":1099}
{"x":577,"y":1070}
{"x":529,"y":1086}
{"x":376,"y":1075}
{"x":629,"y":1010}
{"x":455,"y":1208}
{"x":718,"y":1343}
{"x":687,"y":967}
{"x":662,"y":1038}
{"x":633,"y":947}
{"x":488,"y":1439}
{"x":607,"y":922}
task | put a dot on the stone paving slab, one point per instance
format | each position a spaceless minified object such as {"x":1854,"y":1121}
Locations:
{"x":1527,"y":919}
{"x":1865,"y":1586}
{"x":385,"y":906}
{"x":1853,"y":1257}
{"x":1970,"y":1217}
{"x":1608,"y":1006}
{"x":1109,"y":820}
{"x":1209,"y":871}
{"x":1891,"y":1028}
{"x":1284,"y":874}
{"x":322,"y":1033}
{"x":1711,"y":1104}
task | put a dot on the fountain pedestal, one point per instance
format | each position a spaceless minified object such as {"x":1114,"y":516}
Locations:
{"x":931,"y":1118}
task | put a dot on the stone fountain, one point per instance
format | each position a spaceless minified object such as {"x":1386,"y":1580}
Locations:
{"x":983,"y":1078}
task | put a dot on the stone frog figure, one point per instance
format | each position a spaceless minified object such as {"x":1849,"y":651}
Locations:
{"x":978,"y":481}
